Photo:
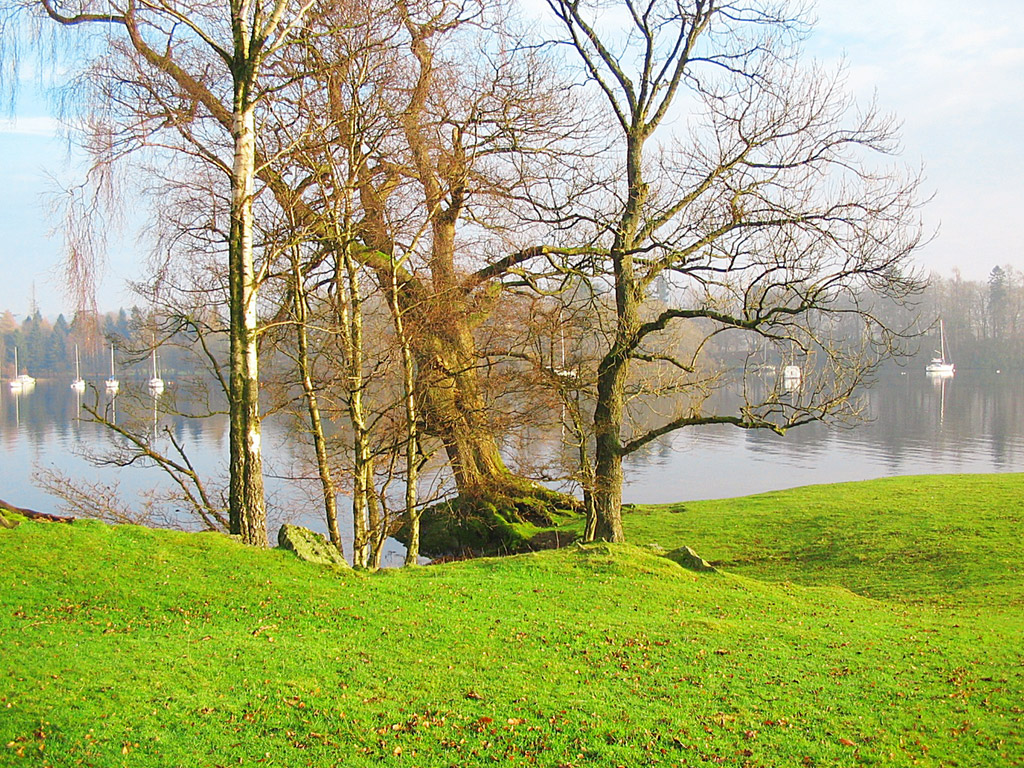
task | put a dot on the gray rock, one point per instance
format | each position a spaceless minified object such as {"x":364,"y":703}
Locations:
{"x":687,"y":558}
{"x":310,"y":546}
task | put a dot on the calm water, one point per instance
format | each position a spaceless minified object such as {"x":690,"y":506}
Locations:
{"x":968,"y":424}
{"x":973,"y":423}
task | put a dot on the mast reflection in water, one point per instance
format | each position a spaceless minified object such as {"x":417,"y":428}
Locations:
{"x":970,"y":423}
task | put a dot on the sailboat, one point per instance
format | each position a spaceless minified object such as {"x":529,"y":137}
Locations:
{"x":78,"y":385}
{"x":112,"y":383}
{"x":155,"y":384}
{"x":21,"y":382}
{"x":940,"y":366}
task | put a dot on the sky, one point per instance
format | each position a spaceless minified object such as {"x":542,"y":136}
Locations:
{"x":952,"y":73}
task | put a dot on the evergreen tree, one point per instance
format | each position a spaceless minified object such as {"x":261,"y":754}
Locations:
{"x":997,"y":301}
{"x":35,"y":332}
{"x":57,"y":359}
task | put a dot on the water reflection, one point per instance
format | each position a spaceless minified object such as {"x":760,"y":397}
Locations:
{"x":963,"y":424}
{"x":970,"y":423}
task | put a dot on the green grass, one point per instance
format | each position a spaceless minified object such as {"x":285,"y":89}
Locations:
{"x":945,"y":538}
{"x":129,"y":647}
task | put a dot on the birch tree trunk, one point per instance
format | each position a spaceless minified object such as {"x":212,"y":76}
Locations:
{"x":247,"y":507}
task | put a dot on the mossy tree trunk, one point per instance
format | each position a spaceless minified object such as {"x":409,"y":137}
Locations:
{"x":443,"y":316}
{"x":454,"y":406}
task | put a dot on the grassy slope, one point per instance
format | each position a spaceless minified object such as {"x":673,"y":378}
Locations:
{"x":937,"y":538}
{"x":124,"y":646}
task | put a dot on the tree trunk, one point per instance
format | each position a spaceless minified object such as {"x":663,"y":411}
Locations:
{"x":608,"y":478}
{"x":614,"y":368}
{"x":412,"y":511}
{"x":247,"y":510}
{"x":441,"y":324}
{"x":444,"y":363}
{"x":454,"y":408}
{"x":362,"y":470}
{"x":585,"y":473}
{"x":312,"y":405}
{"x":378,"y":523}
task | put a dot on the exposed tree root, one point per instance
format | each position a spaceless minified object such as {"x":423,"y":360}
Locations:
{"x":494,"y":522}
{"x":31,"y":514}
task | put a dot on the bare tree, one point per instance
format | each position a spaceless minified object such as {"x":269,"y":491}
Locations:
{"x":748,"y":199}
{"x":454,"y":122}
{"x":182,"y":66}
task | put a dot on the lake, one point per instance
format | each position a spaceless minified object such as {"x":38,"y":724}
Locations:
{"x":971,"y":423}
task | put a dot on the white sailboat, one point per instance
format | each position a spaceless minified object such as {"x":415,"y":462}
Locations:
{"x":112,"y":383}
{"x":155,"y":383}
{"x":78,"y":385}
{"x":940,"y":366}
{"x":21,"y":381}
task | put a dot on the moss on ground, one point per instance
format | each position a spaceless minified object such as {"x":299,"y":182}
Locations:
{"x":501,"y":523}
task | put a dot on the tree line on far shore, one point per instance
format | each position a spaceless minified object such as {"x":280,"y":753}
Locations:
{"x":46,"y":346}
{"x":984,"y":319}
{"x":984,"y":325}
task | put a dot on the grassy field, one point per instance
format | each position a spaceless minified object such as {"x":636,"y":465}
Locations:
{"x":866,"y":624}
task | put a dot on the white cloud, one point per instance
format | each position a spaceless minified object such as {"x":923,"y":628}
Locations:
{"x":30,"y":126}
